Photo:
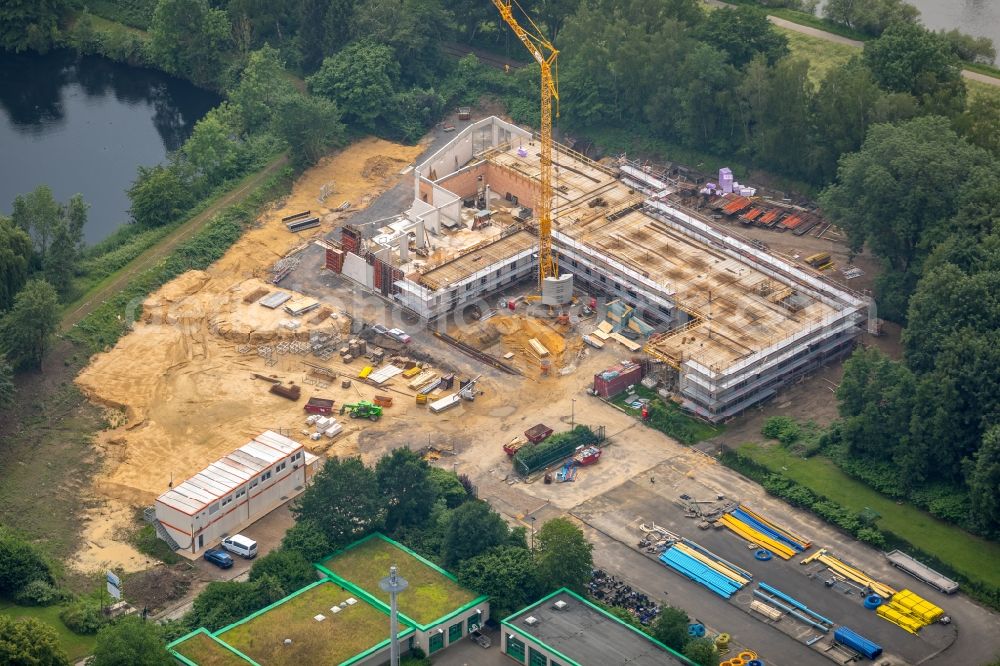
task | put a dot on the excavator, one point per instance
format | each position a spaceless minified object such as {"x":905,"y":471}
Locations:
{"x":363,"y":409}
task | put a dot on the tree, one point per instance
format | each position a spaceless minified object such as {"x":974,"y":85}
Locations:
{"x":20,"y":563}
{"x":361,"y":79}
{"x":15,"y":253}
{"x":411,"y":27}
{"x":310,"y":126}
{"x":968,"y":48}
{"x":324,"y":28}
{"x":871,"y":17}
{"x":25,"y":330}
{"x":909,"y":58}
{"x":473,"y":529}
{"x":742,"y":33}
{"x":222,"y":603}
{"x":778,"y":101}
{"x":671,"y":627}
{"x":847,"y":103}
{"x":343,"y":501}
{"x":307,"y":539}
{"x":289,"y":567}
{"x":404,"y":479}
{"x":563,"y":556}
{"x":60,"y":261}
{"x":37,"y":213}
{"x":76,"y":219}
{"x":705,"y":98}
{"x":213,"y":148}
{"x":876,"y":396}
{"x":7,"y":389}
{"x":159,"y":196}
{"x":262,"y":85}
{"x":506,"y":574}
{"x":702,"y":651}
{"x":188,"y":38}
{"x":30,"y":24}
{"x":130,"y":641}
{"x":553,"y":13}
{"x":980,"y":122}
{"x":30,"y":642}
{"x":897,"y":194}
{"x":984,"y":480}
{"x":447,"y":487}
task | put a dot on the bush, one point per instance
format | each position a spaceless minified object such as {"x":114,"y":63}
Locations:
{"x":783,"y":429}
{"x":20,"y":563}
{"x":530,"y":458}
{"x":147,"y":542}
{"x":38,"y":593}
{"x":83,"y":616}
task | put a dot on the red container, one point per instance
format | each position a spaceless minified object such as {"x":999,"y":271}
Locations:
{"x":616,"y":379}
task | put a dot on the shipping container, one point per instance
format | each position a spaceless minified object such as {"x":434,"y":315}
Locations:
{"x":857,"y":642}
{"x":616,"y":379}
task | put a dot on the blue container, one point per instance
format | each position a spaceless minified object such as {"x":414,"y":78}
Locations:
{"x":857,"y":642}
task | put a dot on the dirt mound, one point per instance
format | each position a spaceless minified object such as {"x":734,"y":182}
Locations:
{"x":157,"y":587}
{"x":184,"y":376}
{"x":381,"y":166}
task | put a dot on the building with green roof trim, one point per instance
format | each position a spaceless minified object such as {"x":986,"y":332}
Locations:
{"x":564,"y":629}
{"x":343,"y":618}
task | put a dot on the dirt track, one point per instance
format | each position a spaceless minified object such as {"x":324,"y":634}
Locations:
{"x":167,"y":245}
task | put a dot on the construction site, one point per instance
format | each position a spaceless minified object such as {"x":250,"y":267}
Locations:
{"x":517,"y":312}
{"x":733,"y":321}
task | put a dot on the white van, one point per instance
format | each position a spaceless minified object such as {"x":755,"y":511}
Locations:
{"x":241,"y":545}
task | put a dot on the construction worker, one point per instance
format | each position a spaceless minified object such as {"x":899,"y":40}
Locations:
{"x":506,"y":68}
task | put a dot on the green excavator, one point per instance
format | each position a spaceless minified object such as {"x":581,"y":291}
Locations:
{"x":363,"y":410}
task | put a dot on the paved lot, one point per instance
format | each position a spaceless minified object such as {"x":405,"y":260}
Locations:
{"x":638,"y":479}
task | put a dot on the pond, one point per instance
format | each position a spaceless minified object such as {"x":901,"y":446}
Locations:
{"x":84,"y":124}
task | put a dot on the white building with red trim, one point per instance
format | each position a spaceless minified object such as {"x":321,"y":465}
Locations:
{"x":234,"y":491}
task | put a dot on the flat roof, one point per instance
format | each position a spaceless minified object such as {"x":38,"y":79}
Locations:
{"x":355,"y":630}
{"x":201,"y":648}
{"x":481,"y":256}
{"x":433,"y":593}
{"x":587,"y":635}
{"x":740,"y":309}
{"x":229,"y":472}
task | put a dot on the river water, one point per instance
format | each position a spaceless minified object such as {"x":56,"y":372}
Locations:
{"x":980,"y":18}
{"x":84,"y":124}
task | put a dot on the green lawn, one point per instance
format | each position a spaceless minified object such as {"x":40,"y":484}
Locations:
{"x":969,"y":555}
{"x":823,"y":55}
{"x":203,"y":650}
{"x":336,"y":639}
{"x":669,"y":419}
{"x":431,"y":594}
{"x":76,"y":646}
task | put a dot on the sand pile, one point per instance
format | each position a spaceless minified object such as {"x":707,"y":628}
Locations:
{"x":184,"y":376}
{"x":381,"y":166}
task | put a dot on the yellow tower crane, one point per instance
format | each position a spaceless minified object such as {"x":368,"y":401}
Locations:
{"x":545,"y":54}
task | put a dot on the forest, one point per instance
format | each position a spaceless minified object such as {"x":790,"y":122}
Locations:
{"x":901,"y":155}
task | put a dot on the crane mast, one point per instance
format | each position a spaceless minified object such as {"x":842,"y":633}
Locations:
{"x":545,"y":54}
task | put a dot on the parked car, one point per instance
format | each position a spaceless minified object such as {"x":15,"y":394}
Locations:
{"x":241,"y":545}
{"x":379,"y":328}
{"x":399,"y":334}
{"x":219,"y":558}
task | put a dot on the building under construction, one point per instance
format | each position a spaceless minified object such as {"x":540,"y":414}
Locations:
{"x":735,"y":322}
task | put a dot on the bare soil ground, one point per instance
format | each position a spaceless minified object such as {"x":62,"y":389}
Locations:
{"x":188,"y":393}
